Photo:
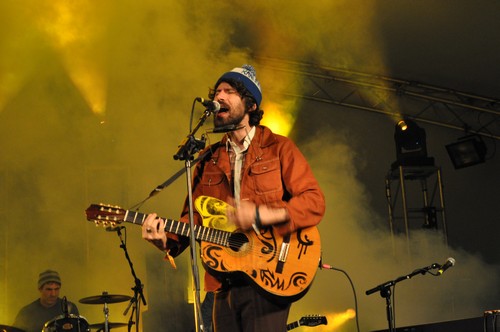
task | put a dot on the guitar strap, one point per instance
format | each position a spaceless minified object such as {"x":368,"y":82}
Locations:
{"x":174,"y":177}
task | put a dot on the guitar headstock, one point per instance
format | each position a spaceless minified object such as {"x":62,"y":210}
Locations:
{"x":313,"y":320}
{"x":105,"y":215}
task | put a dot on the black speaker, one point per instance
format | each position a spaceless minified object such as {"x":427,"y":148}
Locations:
{"x":492,"y":321}
{"x":461,"y":325}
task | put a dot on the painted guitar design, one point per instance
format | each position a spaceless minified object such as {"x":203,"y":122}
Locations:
{"x":311,"y":320}
{"x":281,"y":266}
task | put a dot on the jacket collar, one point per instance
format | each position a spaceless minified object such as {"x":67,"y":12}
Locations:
{"x":263,"y":138}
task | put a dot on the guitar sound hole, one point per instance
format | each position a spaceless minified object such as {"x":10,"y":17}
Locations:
{"x":237,"y":241}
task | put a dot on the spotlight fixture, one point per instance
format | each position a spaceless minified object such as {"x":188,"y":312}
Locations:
{"x":469,"y":150}
{"x":411,"y":145}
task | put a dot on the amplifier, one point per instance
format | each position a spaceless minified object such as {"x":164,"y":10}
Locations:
{"x":461,"y":325}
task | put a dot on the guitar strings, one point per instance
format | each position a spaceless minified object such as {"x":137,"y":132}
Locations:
{"x":203,"y":233}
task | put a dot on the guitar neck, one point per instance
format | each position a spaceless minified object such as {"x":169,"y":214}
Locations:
{"x":201,"y":233}
{"x":292,"y":326}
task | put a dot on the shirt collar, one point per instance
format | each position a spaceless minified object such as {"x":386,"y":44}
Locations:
{"x":246,"y":141}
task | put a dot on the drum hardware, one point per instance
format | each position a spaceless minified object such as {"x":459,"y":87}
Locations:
{"x":105,"y":299}
{"x":7,"y":328}
{"x":111,"y":325}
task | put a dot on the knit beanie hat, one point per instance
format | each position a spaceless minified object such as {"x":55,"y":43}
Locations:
{"x":246,"y":75}
{"x":48,"y":276}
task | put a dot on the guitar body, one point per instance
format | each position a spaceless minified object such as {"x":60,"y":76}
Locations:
{"x":282,"y":266}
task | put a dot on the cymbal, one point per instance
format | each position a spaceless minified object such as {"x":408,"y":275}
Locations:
{"x":111,"y":325}
{"x":6,"y":328}
{"x":105,"y":298}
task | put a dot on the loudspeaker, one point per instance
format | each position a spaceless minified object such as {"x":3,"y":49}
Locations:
{"x":492,"y":321}
{"x":461,"y":325}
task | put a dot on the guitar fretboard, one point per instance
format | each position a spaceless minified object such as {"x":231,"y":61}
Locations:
{"x":201,"y":233}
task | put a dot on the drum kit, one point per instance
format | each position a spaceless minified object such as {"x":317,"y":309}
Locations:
{"x":75,"y":323}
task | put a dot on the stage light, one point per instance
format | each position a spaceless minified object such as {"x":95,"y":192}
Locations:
{"x":280,"y":117}
{"x":468,"y":151}
{"x":411,"y":145}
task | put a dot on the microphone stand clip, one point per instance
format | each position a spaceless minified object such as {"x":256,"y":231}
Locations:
{"x":190,"y":145}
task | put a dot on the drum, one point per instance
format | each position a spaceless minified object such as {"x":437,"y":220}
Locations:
{"x":67,"y":323}
{"x":7,"y":328}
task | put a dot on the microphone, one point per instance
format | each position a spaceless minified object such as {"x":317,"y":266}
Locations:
{"x":64,"y":306}
{"x":114,"y":229}
{"x":211,"y":105}
{"x":449,"y":263}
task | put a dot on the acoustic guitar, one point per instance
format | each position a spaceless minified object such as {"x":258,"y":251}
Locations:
{"x":282,"y":266}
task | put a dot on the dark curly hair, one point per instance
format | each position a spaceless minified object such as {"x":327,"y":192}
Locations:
{"x":255,"y":116}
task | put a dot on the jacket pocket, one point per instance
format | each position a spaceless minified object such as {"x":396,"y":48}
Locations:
{"x":212,"y":184}
{"x":267,"y":177}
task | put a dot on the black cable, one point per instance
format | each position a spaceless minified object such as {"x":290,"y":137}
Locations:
{"x":352,"y":286}
{"x":394,"y":307}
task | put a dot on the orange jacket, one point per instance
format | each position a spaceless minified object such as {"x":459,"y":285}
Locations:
{"x":275,"y":173}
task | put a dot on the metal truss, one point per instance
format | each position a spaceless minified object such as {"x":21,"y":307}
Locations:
{"x":466,"y":112}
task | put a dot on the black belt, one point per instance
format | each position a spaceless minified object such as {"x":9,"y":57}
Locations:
{"x":233,"y":280}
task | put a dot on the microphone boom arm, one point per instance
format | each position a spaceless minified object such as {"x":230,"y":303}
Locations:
{"x":391,"y":283}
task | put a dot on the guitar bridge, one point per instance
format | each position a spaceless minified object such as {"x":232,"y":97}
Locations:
{"x":283,"y":254}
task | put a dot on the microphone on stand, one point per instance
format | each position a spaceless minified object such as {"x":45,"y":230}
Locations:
{"x":211,"y":105}
{"x":449,"y":263}
{"x":64,"y":306}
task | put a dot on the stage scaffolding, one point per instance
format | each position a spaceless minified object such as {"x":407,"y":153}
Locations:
{"x":415,"y":200}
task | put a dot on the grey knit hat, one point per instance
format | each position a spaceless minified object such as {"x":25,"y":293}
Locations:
{"x":48,"y":276}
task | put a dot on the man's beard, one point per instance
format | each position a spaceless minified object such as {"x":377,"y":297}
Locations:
{"x":228,"y":121}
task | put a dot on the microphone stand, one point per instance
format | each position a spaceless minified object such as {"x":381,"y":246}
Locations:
{"x":385,"y":291}
{"x":137,"y":289}
{"x":188,"y":147}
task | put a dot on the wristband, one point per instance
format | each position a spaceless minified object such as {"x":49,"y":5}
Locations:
{"x":258,"y":222}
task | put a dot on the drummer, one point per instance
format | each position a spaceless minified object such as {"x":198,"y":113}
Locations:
{"x":33,"y":316}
